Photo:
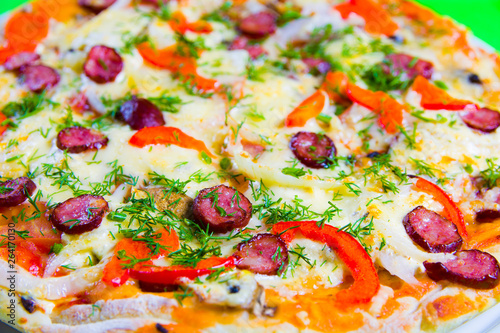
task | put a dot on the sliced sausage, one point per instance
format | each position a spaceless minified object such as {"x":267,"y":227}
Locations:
{"x":263,"y":254}
{"x":487,"y":215}
{"x":139,"y":113}
{"x":16,"y":191}
{"x":21,"y":59}
{"x":222,"y":209}
{"x":254,"y":149}
{"x":313,"y":150}
{"x":78,"y":139}
{"x":431,"y":231}
{"x":398,"y":64}
{"x":103,"y":64}
{"x":484,"y":120}
{"x":80,"y":214}
{"x":471,"y":268}
{"x":242,"y":43}
{"x":39,"y":77}
{"x":317,"y":66}
{"x":96,"y":6}
{"x":258,"y":25}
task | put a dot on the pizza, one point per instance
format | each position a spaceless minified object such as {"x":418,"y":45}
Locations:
{"x":246,"y":166}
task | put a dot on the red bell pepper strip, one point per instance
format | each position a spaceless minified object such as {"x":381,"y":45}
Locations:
{"x":177,"y":59}
{"x":451,"y":210}
{"x":167,"y":136}
{"x":172,"y":274}
{"x":434,"y":98}
{"x":377,"y":20}
{"x":335,"y":85}
{"x":115,"y":274}
{"x":179,"y":24}
{"x":309,"y":108}
{"x":389,"y":110}
{"x":348,"y":249}
{"x":23,"y":31}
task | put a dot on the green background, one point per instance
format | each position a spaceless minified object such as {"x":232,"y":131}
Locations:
{"x":482,"y":16}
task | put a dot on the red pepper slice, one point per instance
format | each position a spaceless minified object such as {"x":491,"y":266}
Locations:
{"x":309,"y":108}
{"x":115,"y":274}
{"x":172,"y":274}
{"x":366,"y":282}
{"x":179,"y":24}
{"x":377,"y":20}
{"x":167,"y":136}
{"x":177,"y":60}
{"x":451,"y":210}
{"x":23,"y":32}
{"x":335,"y":85}
{"x":434,"y":98}
{"x":389,"y":110}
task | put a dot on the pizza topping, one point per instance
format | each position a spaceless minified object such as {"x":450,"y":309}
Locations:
{"x":28,"y":304}
{"x":140,"y":113}
{"x":451,"y":211}
{"x":474,"y":79}
{"x":313,"y":150}
{"x":397,"y":64}
{"x":80,"y":214}
{"x":78,"y":139}
{"x":317,"y":66}
{"x":96,"y":6}
{"x":176,"y":274}
{"x":242,"y":43}
{"x":103,"y":64}
{"x":39,"y":77}
{"x":20,"y":60}
{"x":389,"y":110}
{"x":335,"y":86}
{"x":178,"y":22}
{"x":487,"y":215}
{"x":16,"y":191}
{"x":258,"y":25}
{"x":377,"y":20}
{"x":348,"y":249}
{"x":178,"y":59}
{"x":471,"y":268}
{"x":157,"y":287}
{"x":434,"y":98}
{"x":484,"y":120}
{"x":221,"y":209}
{"x":263,"y":254}
{"x":167,"y":136}
{"x":431,"y":231}
{"x":309,"y":108}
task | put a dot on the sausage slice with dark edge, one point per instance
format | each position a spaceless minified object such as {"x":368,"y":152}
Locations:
{"x":313,"y":150}
{"x":103,"y":64}
{"x":263,"y":254}
{"x":431,"y":231}
{"x":222,"y":209}
{"x":21,"y":59}
{"x":487,"y":215}
{"x":403,"y":64}
{"x":78,"y":139}
{"x":16,"y":191}
{"x":258,"y":25}
{"x":96,"y":6}
{"x":484,"y":120}
{"x":37,"y":78}
{"x":78,"y":215}
{"x":139,"y":113}
{"x":471,"y":268}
